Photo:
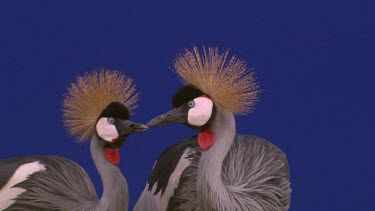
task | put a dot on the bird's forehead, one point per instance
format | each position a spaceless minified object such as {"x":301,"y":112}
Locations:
{"x":117,"y":110}
{"x":185,"y":94}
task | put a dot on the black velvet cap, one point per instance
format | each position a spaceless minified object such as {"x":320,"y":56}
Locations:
{"x":185,"y":94}
{"x":116,"y":110}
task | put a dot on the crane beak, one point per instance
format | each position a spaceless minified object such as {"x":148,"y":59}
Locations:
{"x":126,"y":127}
{"x":174,"y":116}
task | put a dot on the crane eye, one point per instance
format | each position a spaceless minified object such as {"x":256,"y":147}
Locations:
{"x":191,"y":103}
{"x":111,"y":120}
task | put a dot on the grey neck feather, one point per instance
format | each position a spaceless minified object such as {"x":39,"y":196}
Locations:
{"x":115,"y":188}
{"x":212,"y":192}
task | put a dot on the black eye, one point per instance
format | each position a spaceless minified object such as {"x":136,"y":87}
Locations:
{"x":111,"y":120}
{"x":191,"y":104}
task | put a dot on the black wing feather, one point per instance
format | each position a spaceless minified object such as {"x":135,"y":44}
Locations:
{"x":167,"y":163}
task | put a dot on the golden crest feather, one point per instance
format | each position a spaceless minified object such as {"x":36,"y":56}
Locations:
{"x":227,"y":81}
{"x":90,"y":94}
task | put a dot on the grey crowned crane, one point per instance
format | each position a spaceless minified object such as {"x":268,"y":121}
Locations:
{"x":97,"y":106}
{"x":218,"y":169}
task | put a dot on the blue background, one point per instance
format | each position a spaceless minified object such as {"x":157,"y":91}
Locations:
{"x":315,"y":62}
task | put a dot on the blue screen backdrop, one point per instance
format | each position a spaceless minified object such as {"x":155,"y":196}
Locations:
{"x":314,"y":59}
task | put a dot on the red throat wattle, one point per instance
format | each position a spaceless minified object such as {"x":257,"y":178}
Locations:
{"x":206,"y":139}
{"x":112,"y":155}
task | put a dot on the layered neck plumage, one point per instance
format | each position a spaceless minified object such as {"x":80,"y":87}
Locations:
{"x":115,"y":188}
{"x":212,"y":192}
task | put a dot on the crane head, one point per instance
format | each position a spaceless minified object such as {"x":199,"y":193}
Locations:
{"x":192,"y":107}
{"x":113,"y":125}
{"x":98,"y":104}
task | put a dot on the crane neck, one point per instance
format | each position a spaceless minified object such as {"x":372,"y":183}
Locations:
{"x":212,"y":192}
{"x":115,"y":188}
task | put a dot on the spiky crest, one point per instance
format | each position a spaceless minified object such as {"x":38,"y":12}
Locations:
{"x":228,"y":81}
{"x":90,"y":94}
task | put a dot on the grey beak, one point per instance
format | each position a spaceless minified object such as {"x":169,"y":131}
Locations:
{"x":173,"y":116}
{"x":128,"y":127}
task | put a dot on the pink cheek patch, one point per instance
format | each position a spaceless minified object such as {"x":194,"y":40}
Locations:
{"x":106,"y":131}
{"x":201,"y":112}
{"x":206,"y":139}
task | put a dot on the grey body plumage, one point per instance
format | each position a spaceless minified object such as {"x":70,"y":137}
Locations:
{"x":241,"y":172}
{"x":64,"y":185}
{"x":54,"y":188}
{"x":258,"y":161}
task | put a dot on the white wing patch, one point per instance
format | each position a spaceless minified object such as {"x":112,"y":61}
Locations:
{"x":105,"y":130}
{"x":8,"y":193}
{"x":201,"y":112}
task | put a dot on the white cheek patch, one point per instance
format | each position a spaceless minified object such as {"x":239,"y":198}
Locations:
{"x":105,"y":130}
{"x":8,"y":193}
{"x":201,"y":112}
